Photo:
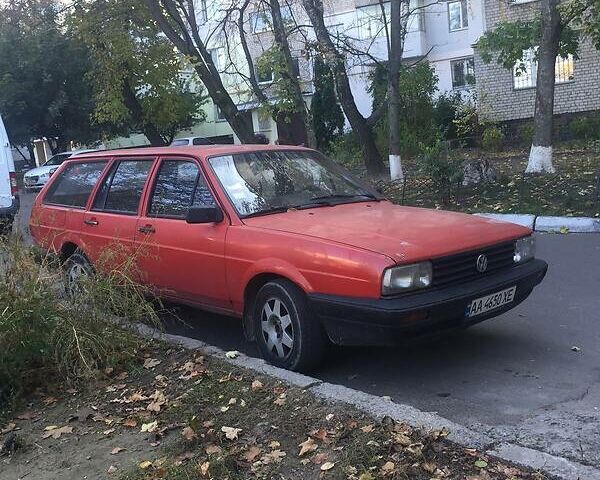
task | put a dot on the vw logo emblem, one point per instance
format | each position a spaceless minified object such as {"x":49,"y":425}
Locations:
{"x":482,"y":263}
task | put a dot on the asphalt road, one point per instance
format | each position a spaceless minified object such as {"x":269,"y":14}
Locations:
{"x":516,"y":377}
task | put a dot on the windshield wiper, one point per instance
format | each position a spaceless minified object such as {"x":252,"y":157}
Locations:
{"x":333,"y":196}
{"x":268,"y":211}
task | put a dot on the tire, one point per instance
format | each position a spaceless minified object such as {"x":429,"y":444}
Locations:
{"x":288,"y":336}
{"x":76,"y":266}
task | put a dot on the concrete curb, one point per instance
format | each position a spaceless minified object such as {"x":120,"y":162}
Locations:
{"x":549,"y":224}
{"x":380,"y":407}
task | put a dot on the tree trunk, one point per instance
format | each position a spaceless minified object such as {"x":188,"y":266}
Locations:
{"x":183,"y":33}
{"x":135,"y":109}
{"x":394,"y":63}
{"x":336,"y":62}
{"x":540,"y":155}
{"x":281,"y":39}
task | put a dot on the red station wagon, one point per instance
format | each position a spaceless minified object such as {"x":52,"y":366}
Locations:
{"x":287,"y":241}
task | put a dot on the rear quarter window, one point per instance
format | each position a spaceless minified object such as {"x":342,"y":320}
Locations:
{"x":75,"y":184}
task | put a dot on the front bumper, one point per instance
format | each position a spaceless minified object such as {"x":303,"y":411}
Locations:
{"x":388,"y":321}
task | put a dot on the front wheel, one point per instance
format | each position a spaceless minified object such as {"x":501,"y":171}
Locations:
{"x":288,"y":336}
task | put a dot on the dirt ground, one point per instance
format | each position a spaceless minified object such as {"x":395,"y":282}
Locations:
{"x":181,"y":415}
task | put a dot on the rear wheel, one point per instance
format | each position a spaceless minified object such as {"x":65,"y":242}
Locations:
{"x":77,"y":268}
{"x":288,"y":336}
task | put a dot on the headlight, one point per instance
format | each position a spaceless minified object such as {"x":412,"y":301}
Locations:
{"x":524,"y":249}
{"x":51,"y":172}
{"x":405,"y":278}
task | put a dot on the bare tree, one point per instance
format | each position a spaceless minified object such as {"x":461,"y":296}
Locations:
{"x":177,"y":20}
{"x":334,"y":58}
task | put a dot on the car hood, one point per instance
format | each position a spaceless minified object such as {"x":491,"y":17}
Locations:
{"x":405,"y":234}
{"x":40,"y":170}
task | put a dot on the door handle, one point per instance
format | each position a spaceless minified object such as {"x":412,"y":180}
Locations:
{"x":91,"y":222}
{"x":146,"y":229}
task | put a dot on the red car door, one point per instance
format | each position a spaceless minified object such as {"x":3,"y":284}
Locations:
{"x":108,"y":228}
{"x":184,"y":261}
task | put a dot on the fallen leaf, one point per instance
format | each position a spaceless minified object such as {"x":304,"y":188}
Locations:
{"x":9,"y":428}
{"x":117,"y":450}
{"x":130,"y":422}
{"x":204,"y":468}
{"x":112,"y":469}
{"x":481,"y":463}
{"x":149,"y":427}
{"x":189,"y":434}
{"x":319,"y":458}
{"x":232,"y":354}
{"x":212,"y":449}
{"x":150,"y":363}
{"x":387,"y":468}
{"x":145,"y":464}
{"x":231,"y":433}
{"x":109,"y":431}
{"x":429,"y":467}
{"x":329,"y":417}
{"x":251,"y":453}
{"x":56,"y":432}
{"x":368,"y":428}
{"x":158,"y":401}
{"x":319,"y":434}
{"x":182,"y":458}
{"x":307,"y":446}
{"x":272,"y":457}
{"x":256,"y":385}
{"x":327,"y":466}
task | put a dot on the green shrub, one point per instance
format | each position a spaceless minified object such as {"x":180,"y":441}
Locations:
{"x":443,"y":169}
{"x":346,"y":151}
{"x":492,"y":139}
{"x":47,"y":336}
{"x":586,"y":127}
{"x":525,"y":132}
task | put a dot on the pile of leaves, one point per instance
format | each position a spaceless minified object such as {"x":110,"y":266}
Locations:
{"x":184,"y":415}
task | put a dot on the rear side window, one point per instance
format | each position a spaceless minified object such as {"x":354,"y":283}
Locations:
{"x":122,"y":188}
{"x":179,"y":185}
{"x":75,"y":184}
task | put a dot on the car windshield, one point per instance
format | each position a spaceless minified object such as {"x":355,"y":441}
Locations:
{"x":265,"y":182}
{"x":57,"y":159}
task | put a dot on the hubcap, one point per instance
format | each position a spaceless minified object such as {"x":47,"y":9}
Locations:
{"x":75,"y":274}
{"x":277,"y":328}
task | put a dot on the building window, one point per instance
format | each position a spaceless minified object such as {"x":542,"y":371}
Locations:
{"x":260,"y":22}
{"x":219,"y":115}
{"x":218,"y":57}
{"x":370,"y":21}
{"x":264,"y":122}
{"x":525,"y":71}
{"x":296,"y":63}
{"x":203,"y":12}
{"x":264,"y":76}
{"x":458,"y":17}
{"x":463,"y":72}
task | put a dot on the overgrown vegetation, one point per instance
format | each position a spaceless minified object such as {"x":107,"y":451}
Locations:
{"x":47,"y":336}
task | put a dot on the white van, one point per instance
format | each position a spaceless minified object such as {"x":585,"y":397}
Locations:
{"x":9,"y":196}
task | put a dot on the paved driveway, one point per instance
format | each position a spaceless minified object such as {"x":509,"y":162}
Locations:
{"x":515,"y":377}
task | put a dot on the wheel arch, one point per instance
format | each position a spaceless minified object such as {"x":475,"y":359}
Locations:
{"x":254,"y":284}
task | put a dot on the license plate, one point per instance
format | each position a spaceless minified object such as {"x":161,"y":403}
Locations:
{"x":490,"y":302}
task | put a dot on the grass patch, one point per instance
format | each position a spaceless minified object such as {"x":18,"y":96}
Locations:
{"x":48,"y":337}
{"x":574,"y":190}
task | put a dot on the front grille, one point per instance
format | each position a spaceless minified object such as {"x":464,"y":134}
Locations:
{"x":463,"y":266}
{"x":31,"y":179}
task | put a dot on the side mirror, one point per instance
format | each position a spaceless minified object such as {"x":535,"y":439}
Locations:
{"x":204,"y":215}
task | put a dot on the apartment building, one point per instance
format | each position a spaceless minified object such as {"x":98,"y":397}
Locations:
{"x":507,"y":95}
{"x":442,"y":32}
